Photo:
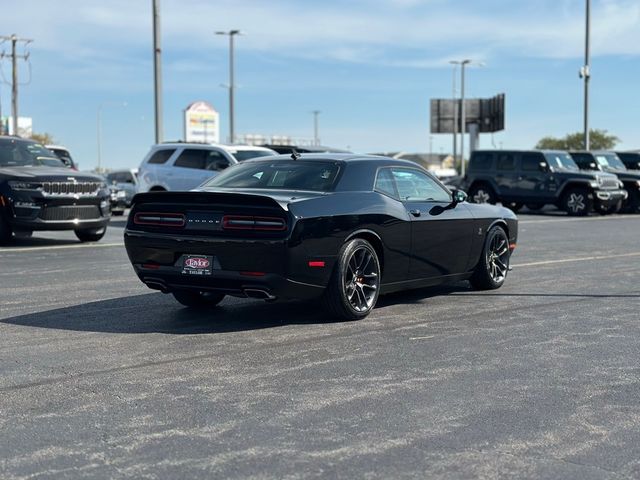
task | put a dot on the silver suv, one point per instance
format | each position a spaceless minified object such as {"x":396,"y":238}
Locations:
{"x":181,"y":166}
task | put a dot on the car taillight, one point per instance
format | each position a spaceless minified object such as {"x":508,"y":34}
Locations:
{"x":241,"y":222}
{"x":159,"y":219}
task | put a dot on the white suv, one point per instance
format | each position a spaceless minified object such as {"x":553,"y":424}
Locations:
{"x":185,"y":166}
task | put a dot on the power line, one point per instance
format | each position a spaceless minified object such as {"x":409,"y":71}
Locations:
{"x":14,"y":39}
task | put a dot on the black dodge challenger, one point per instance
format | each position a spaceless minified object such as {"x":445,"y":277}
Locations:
{"x":341,"y":228}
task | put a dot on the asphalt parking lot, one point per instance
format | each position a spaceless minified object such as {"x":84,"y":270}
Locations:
{"x":101,"y":377}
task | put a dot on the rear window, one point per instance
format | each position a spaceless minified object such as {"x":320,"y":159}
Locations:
{"x":481,"y":161}
{"x":286,"y":175}
{"x":161,"y":156}
{"x":248,"y":154}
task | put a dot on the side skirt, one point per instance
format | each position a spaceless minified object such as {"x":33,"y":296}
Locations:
{"x":422,"y":282}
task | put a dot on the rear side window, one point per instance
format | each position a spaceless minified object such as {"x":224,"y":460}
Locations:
{"x":385,"y":183}
{"x":530,"y":162}
{"x":161,"y":156}
{"x":481,"y":161}
{"x":506,"y":161}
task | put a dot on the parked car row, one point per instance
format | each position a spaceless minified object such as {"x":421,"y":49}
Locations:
{"x":576,"y":182}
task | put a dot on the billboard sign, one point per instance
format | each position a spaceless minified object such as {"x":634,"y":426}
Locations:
{"x":487,"y":113}
{"x":201,"y":123}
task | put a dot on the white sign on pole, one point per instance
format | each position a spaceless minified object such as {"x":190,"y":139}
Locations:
{"x":201,"y":123}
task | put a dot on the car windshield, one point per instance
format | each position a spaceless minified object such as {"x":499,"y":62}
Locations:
{"x":242,"y":155}
{"x":20,"y":153}
{"x":610,"y":160}
{"x":120,"y":177}
{"x":319,"y":176}
{"x":562,"y":161}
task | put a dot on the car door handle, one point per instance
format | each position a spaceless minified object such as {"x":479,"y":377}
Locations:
{"x":415,"y":212}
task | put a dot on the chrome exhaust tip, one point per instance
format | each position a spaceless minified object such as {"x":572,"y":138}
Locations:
{"x":259,"y":294}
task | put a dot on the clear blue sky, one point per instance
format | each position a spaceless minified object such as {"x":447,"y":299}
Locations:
{"x":369,"y":66}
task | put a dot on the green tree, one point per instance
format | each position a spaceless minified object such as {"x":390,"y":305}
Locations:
{"x":599,"y":140}
{"x":43,"y":138}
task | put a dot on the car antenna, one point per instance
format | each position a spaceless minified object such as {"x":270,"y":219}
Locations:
{"x":294,"y":154}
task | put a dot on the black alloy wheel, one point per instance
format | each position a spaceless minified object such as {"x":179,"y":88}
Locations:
{"x":482,"y":194}
{"x":493,"y":266}
{"x":190,"y":298}
{"x":5,"y":230}
{"x":91,"y":234}
{"x":355,"y":282}
{"x":577,"y":202}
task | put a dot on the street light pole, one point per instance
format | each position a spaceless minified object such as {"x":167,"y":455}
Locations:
{"x":585,"y":72}
{"x":455,"y":111}
{"x":316,"y":138}
{"x":157,"y":71}
{"x":231,"y":33}
{"x":463,"y":119}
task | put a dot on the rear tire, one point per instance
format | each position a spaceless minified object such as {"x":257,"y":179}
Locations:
{"x":355,"y":282}
{"x":6,"y":233}
{"x":632,"y":204}
{"x":492,"y":269}
{"x":91,"y":234}
{"x":577,"y":202}
{"x":482,"y":193}
{"x":190,"y":298}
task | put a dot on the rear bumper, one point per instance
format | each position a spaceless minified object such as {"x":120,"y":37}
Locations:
{"x":246,"y":268}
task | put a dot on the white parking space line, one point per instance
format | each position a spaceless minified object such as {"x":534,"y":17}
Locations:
{"x":579,"y":259}
{"x":60,"y":247}
{"x":581,"y":219}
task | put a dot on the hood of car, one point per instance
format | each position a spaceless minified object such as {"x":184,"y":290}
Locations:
{"x":46,"y":174}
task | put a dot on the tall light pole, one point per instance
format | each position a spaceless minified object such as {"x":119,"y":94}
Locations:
{"x":463,"y":118}
{"x":157,"y":70}
{"x":585,"y":73}
{"x":316,"y":138}
{"x":99,"y":127}
{"x":231,"y":34}
{"x":455,"y":111}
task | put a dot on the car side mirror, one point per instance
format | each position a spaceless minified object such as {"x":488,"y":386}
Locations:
{"x":459,"y":196}
{"x":593,"y":166}
{"x":543,"y":167}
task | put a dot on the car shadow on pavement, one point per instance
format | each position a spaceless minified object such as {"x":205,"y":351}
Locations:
{"x":159,"y":313}
{"x":497,"y":293}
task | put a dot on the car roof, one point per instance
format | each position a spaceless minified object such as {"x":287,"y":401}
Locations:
{"x":58,"y":147}
{"x":339,"y":157}
{"x":240,"y":148}
{"x":525,"y":150}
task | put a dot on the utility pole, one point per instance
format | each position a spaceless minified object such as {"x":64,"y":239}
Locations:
{"x":463,"y":119}
{"x":455,"y":111}
{"x":157,"y":70}
{"x":231,"y":33}
{"x":316,"y":138}
{"x":585,"y":73}
{"x":14,"y":75}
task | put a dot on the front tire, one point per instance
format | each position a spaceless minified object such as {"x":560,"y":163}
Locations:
{"x":355,"y":282}
{"x":632,"y":204}
{"x":91,"y":234}
{"x":190,"y":298}
{"x":492,"y":269}
{"x":577,"y":202}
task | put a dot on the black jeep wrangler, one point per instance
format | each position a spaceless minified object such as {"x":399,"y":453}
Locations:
{"x":536,"y":178}
{"x":37,"y":192}
{"x":610,"y":162}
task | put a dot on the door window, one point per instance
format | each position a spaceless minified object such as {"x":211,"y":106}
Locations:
{"x":414,"y":185}
{"x":506,"y":161}
{"x":530,"y":162}
{"x":161,"y":156}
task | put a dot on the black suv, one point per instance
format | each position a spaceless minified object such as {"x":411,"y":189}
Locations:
{"x":37,"y":192}
{"x":610,"y":162}
{"x":536,"y":178}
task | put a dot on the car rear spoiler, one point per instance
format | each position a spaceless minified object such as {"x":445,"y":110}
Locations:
{"x":207,"y":198}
